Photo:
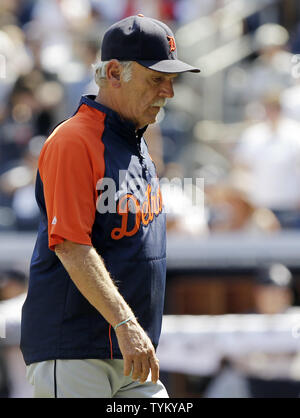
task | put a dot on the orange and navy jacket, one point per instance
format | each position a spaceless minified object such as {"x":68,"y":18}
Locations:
{"x":93,"y":145}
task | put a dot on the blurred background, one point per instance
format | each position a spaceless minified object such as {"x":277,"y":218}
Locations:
{"x":232,"y":324}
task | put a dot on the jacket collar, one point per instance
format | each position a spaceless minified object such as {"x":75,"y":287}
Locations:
{"x":124,"y":128}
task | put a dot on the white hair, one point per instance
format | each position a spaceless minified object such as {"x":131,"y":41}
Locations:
{"x":100,"y":71}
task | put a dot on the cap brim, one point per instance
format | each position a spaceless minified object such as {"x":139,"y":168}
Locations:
{"x":169,"y":66}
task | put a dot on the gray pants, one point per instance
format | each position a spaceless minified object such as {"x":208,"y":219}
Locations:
{"x":88,"y":379}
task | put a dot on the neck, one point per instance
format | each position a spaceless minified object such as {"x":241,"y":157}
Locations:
{"x":107,"y":99}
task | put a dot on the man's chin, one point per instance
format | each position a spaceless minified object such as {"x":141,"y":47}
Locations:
{"x":145,"y":122}
{"x":153,"y":120}
{"x":154,"y":114}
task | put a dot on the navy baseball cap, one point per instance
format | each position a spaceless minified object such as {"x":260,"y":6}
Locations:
{"x":147,"y":41}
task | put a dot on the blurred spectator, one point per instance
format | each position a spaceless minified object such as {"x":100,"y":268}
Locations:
{"x":12,"y":284}
{"x":30,"y":111}
{"x":272,"y":289}
{"x":15,"y":61}
{"x":267,"y":160}
{"x":18,"y":126}
{"x":247,"y":82}
{"x":17,"y":188}
{"x":230,"y":210}
{"x":24,"y":202}
{"x":272,"y":67}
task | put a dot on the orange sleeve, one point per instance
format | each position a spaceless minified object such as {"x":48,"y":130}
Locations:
{"x":70,"y":194}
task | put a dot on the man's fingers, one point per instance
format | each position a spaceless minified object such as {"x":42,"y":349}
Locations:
{"x":140,"y":369}
{"x":145,"y":370}
{"x":127,"y":366}
{"x":137,"y":369}
{"x":154,"y":365}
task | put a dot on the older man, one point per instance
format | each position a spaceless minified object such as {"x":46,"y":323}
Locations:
{"x":92,"y":318}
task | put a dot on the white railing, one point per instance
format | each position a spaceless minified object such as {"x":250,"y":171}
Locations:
{"x":219,"y":251}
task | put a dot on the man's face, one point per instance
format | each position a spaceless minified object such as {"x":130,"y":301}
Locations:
{"x":144,"y":94}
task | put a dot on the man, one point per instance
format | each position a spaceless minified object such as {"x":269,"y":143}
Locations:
{"x":273,"y":182}
{"x":92,"y":318}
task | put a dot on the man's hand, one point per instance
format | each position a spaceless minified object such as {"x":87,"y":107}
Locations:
{"x":138,"y":352}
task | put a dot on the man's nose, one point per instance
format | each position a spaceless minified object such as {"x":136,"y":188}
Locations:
{"x":167,"y":89}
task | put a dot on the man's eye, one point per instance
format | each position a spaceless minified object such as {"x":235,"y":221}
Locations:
{"x":157,"y":80}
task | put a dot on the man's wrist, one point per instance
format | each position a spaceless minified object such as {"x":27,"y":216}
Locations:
{"x":130,"y":318}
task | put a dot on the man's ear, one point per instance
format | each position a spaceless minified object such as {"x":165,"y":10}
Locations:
{"x":113,"y":73}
